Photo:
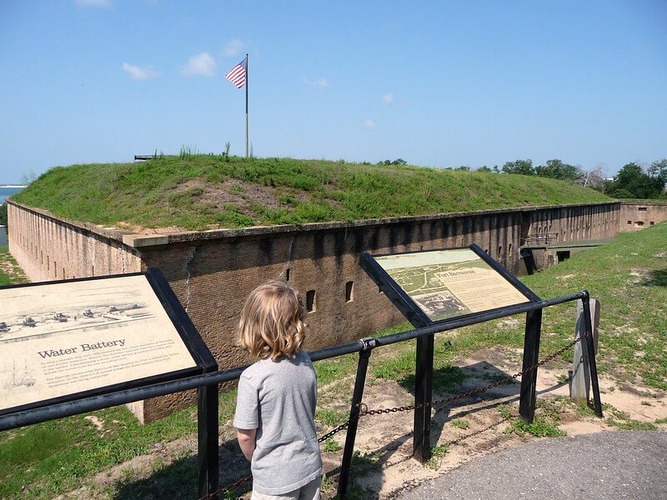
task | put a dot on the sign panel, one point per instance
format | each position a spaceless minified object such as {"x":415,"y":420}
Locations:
{"x":64,"y":338}
{"x":449,"y":283}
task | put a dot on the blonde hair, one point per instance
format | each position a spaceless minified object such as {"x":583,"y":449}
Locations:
{"x":271,"y":324}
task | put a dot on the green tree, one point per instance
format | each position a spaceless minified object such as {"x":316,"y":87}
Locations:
{"x":659,"y":169}
{"x":3,"y":214}
{"x":397,"y":161}
{"x":556,"y":169}
{"x":523,"y":167}
{"x":632,"y":178}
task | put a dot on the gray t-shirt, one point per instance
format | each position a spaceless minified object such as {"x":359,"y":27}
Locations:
{"x":278,"y":399}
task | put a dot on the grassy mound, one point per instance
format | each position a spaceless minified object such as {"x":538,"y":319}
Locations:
{"x":197,"y":192}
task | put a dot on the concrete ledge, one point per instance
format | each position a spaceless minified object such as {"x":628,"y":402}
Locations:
{"x":139,"y":241}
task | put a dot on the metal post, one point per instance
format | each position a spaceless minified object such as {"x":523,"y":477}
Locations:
{"x":247,"y":84}
{"x":207,"y":434}
{"x":421,"y":445}
{"x":589,"y":355}
{"x":357,"y":395}
{"x":531,"y":355}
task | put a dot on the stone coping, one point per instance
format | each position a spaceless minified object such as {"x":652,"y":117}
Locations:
{"x":147,"y":239}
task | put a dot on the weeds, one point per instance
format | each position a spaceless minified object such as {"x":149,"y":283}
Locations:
{"x":544,"y":424}
{"x":187,"y":152}
{"x":331,"y":446}
{"x":460,"y":423}
{"x":437,"y":454}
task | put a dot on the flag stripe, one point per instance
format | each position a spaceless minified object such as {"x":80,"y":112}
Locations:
{"x":237,"y":75}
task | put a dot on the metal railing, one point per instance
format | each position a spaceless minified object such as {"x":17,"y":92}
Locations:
{"x":208,"y":384}
{"x":540,"y":239}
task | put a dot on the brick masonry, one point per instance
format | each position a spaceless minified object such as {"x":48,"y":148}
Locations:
{"x":636,"y":216}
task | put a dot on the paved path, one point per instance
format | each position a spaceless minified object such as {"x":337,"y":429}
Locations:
{"x":605,"y":465}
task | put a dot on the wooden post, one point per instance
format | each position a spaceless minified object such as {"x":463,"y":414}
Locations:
{"x":580,"y":381}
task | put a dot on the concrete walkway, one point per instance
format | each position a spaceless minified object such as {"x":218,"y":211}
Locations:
{"x":605,"y":465}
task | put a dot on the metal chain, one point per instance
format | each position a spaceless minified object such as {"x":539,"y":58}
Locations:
{"x":363,"y":408}
{"x":364,"y":411}
{"x":329,"y":434}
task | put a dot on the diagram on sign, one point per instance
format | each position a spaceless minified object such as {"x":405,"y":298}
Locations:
{"x":448,"y":283}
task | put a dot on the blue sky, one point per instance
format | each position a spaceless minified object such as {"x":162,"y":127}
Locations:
{"x":437,"y":83}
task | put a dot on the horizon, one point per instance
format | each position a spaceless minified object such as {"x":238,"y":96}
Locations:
{"x":437,"y":84}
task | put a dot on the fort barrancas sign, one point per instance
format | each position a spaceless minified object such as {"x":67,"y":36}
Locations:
{"x":211,"y":272}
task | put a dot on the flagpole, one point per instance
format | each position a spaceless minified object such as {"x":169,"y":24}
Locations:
{"x":247,"y":82}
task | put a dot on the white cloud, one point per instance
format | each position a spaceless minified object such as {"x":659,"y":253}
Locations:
{"x":370,"y":124}
{"x":200,"y":65}
{"x":139,"y":73}
{"x":233,"y":48}
{"x":94,"y":3}
{"x":321,"y":83}
{"x":388,"y":98}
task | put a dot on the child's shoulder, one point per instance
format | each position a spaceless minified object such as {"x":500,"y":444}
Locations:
{"x":264,"y":366}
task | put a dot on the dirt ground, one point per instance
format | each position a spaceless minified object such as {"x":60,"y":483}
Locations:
{"x":473,"y":427}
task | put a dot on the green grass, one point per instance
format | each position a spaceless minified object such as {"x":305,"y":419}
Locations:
{"x":196,"y":191}
{"x":622,"y":421}
{"x":460,"y":423}
{"x":626,"y":275}
{"x":10,"y":272}
{"x":43,"y":460}
{"x":545,"y":422}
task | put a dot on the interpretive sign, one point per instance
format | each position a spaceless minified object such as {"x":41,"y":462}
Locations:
{"x":88,"y":336}
{"x":443,"y":284}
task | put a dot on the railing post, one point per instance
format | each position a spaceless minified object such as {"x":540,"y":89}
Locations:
{"x":207,"y":436}
{"x":531,"y":355}
{"x":357,"y":395}
{"x":421,"y":445}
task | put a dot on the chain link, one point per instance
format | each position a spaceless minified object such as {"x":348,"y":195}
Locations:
{"x":329,"y":434}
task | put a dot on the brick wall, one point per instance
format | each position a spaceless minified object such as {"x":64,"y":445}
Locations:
{"x":636,"y":216}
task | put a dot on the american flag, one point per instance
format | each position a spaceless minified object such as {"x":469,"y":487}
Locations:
{"x":237,"y":74}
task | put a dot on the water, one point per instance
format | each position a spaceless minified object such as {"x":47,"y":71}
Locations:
{"x":6,"y":192}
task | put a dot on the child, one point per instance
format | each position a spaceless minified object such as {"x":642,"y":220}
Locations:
{"x":275,"y":408}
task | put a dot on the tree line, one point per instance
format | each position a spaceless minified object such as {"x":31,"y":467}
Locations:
{"x":632,"y":181}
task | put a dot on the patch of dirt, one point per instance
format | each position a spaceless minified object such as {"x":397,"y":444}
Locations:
{"x":243,"y":195}
{"x":135,"y":229}
{"x":240,"y":193}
